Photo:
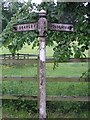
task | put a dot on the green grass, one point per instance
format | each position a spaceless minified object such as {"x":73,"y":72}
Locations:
{"x":31,"y":88}
{"x":67,"y":69}
{"x":54,"y":110}
{"x":64,"y":69}
{"x":24,"y":70}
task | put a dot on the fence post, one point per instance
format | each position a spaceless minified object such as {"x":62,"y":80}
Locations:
{"x":42,"y":28}
{"x":18,"y":56}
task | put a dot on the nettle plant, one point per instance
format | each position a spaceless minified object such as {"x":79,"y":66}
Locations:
{"x":66,"y":44}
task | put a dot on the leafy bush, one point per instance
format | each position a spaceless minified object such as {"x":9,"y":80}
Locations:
{"x":86,"y":75}
{"x":54,"y":109}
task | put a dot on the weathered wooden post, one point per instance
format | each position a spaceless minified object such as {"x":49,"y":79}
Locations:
{"x":42,"y":28}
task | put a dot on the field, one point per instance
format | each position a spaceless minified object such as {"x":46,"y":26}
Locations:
{"x":23,"y":109}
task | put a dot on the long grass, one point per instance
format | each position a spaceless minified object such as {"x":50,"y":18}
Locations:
{"x":54,"y":110}
{"x":64,"y":69}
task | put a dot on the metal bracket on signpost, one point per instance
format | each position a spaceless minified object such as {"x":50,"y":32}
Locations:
{"x":41,"y":26}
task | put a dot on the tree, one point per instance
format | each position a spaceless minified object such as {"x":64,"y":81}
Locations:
{"x":8,"y":10}
{"x":67,"y":44}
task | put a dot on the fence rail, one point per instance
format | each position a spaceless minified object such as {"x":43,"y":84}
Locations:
{"x":17,"y":56}
{"x":33,"y":59}
{"x":48,"y":79}
{"x":48,"y":98}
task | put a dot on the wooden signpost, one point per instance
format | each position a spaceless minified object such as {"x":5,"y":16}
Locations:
{"x":60,"y":27}
{"x":25,"y":27}
{"x":42,"y":26}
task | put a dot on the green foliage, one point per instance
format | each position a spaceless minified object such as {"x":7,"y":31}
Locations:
{"x":28,"y":109}
{"x":15,"y":41}
{"x":8,"y":10}
{"x":67,"y":44}
{"x":66,"y":107}
{"x":85,"y":75}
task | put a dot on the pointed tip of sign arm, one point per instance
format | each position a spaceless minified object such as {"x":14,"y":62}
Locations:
{"x":32,"y":26}
{"x":14,"y":28}
{"x":60,"y":27}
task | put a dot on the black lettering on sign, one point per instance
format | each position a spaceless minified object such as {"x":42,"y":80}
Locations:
{"x":59,"y":26}
{"x":70,"y":27}
{"x":65,"y":27}
{"x":20,"y":27}
{"x":62,"y":27}
{"x":27,"y":26}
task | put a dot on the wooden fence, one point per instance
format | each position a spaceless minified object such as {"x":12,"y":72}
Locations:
{"x":33,"y":59}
